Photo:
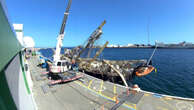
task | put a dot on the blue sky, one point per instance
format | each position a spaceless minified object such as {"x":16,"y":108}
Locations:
{"x":171,"y":21}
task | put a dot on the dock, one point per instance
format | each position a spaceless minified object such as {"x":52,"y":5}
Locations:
{"x":90,"y":93}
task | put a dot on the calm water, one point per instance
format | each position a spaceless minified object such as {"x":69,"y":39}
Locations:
{"x":175,"y":69}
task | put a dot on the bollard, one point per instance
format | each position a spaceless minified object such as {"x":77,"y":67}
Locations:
{"x":128,"y":92}
{"x":102,"y":108}
{"x":117,"y":101}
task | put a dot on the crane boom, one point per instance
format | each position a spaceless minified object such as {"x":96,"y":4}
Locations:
{"x":61,"y":34}
{"x":65,"y":17}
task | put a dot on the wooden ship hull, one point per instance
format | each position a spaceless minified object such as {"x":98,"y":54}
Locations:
{"x":99,"y":68}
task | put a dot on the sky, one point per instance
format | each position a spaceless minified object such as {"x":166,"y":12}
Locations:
{"x":170,"y":21}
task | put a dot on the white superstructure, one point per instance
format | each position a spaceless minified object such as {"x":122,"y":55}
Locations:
{"x":19,"y":32}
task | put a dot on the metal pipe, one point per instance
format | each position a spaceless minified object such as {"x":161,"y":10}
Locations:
{"x":122,"y":77}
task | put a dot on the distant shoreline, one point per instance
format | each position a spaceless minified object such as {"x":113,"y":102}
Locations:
{"x":154,"y":47}
{"x":130,"y":47}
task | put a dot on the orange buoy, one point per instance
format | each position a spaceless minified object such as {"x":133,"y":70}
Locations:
{"x":144,"y":70}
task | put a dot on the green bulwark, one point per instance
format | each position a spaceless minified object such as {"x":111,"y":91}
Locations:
{"x":9,"y":47}
{"x":24,"y":74}
{"x":6,"y":100}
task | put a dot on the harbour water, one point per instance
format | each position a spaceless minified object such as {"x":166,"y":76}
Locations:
{"x":175,"y":68}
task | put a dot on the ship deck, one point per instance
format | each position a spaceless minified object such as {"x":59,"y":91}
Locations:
{"x":90,"y":93}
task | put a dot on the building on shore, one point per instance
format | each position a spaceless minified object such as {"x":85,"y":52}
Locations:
{"x":183,"y":44}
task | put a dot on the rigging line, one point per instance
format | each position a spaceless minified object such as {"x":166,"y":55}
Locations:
{"x":152,"y":55}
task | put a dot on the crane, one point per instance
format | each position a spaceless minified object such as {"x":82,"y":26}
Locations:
{"x":58,"y":64}
{"x":61,"y":34}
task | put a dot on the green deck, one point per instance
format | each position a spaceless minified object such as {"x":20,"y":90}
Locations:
{"x":91,"y":93}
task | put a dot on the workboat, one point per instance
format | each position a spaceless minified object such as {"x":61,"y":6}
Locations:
{"x":20,"y":90}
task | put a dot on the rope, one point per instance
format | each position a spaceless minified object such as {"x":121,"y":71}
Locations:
{"x":151,"y":55}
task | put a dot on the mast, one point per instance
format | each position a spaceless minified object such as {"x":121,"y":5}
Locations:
{"x":61,"y":33}
{"x":93,"y":37}
{"x":100,"y":51}
{"x":148,"y":31}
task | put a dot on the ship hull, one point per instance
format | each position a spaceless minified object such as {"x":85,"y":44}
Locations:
{"x":14,"y":81}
